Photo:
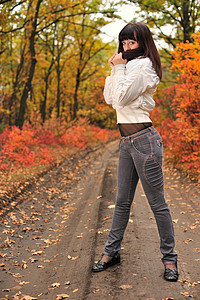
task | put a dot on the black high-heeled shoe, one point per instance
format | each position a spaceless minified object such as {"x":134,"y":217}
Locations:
{"x":171,"y":274}
{"x":102,"y":265}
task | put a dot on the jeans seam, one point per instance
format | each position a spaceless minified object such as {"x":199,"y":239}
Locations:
{"x":130,"y":183}
{"x":147,"y":181}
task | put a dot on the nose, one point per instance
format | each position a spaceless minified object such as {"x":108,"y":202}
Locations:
{"x":127,"y":47}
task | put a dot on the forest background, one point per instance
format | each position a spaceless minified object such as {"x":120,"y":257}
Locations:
{"x":53,"y":64}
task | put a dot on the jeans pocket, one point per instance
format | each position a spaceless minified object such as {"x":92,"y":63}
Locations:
{"x":148,"y":144}
{"x":143,"y":145}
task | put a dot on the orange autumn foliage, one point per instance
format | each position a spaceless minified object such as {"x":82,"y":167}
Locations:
{"x":178,"y":114}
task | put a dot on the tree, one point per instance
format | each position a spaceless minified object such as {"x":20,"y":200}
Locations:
{"x":183,"y":126}
{"x":32,"y":63}
{"x":86,"y":31}
{"x":182,"y":15}
{"x":37,"y":39}
{"x":46,"y":63}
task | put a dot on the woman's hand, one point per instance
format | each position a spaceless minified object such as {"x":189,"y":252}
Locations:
{"x":111,"y":59}
{"x":117,"y":59}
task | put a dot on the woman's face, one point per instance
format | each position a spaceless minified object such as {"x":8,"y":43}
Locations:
{"x":129,"y":45}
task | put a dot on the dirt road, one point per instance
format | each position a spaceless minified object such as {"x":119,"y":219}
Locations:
{"x":51,"y":238}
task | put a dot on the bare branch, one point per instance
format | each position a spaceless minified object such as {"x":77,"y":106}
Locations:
{"x":89,"y":75}
{"x":1,"y":52}
{"x":67,"y":16}
{"x":17,"y":5}
{"x":4,"y":1}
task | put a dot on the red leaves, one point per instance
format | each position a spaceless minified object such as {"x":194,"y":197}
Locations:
{"x":16,"y":147}
{"x":36,"y":145}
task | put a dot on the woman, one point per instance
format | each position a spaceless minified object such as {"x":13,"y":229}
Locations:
{"x":136,"y":72}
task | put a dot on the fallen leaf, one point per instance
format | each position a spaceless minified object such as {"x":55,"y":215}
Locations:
{"x":67,"y":282}
{"x":74,"y":291}
{"x":107,"y":218}
{"x":47,"y":241}
{"x":27,"y":229}
{"x":16,"y":275}
{"x":62,"y":296}
{"x":125,"y":286}
{"x":175,"y":221}
{"x":40,"y":294}
{"x":24,"y":266}
{"x":23,"y":282}
{"x":55,"y":284}
{"x":187,"y":294}
{"x":111,"y":206}
{"x":27,"y":297}
{"x":2,"y":265}
{"x":6,"y":290}
{"x":95,"y":290}
{"x":33,"y":259}
{"x":37,"y":252}
{"x":188,"y":240}
{"x":188,"y":282}
{"x":3,"y":254}
{"x":79,"y":236}
{"x":8,"y":242}
{"x":74,"y":258}
{"x":47,"y":260}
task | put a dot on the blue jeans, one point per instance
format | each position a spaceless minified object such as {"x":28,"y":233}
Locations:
{"x":140,"y":156}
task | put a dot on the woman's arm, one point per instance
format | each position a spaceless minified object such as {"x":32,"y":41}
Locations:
{"x":129,"y":84}
{"x":107,"y":93}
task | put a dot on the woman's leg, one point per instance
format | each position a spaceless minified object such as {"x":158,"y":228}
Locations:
{"x":127,"y":182}
{"x":146,"y":151}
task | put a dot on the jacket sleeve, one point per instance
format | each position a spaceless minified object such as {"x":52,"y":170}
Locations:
{"x":107,"y":92}
{"x":132,"y":81}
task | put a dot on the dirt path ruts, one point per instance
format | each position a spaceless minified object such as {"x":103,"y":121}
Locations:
{"x":49,"y":242}
{"x":140,"y":275}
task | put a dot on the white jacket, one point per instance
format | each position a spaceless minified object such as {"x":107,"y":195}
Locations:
{"x":130,"y":90}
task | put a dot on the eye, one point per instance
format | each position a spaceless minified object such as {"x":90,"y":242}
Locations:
{"x":123,"y":43}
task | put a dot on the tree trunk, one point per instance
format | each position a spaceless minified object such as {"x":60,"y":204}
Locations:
{"x":44,"y":102}
{"x":27,"y":87}
{"x":58,"y":91}
{"x":187,"y":30}
{"x":76,"y":94}
{"x":14,"y":99}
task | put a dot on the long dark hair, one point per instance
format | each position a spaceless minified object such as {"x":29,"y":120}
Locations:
{"x":140,"y":33}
